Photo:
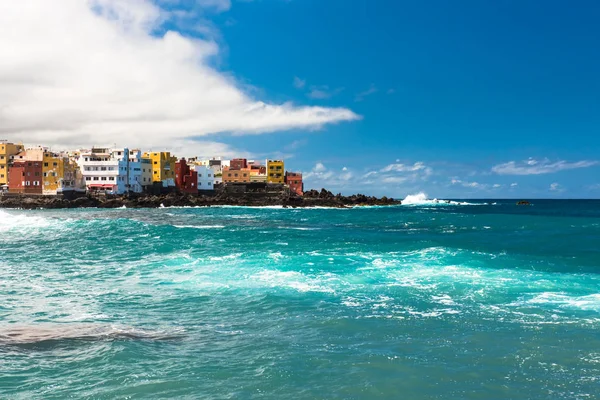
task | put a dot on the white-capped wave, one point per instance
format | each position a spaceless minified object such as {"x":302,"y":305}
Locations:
{"x":421,"y":199}
{"x":10,"y":221}
{"x":590,"y":302}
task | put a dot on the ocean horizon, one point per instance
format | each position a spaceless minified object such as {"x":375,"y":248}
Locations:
{"x":471,"y":299}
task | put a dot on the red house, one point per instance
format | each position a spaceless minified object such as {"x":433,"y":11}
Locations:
{"x":294,"y":181}
{"x":238,"y":163}
{"x":25,"y":177}
{"x":186,"y":179}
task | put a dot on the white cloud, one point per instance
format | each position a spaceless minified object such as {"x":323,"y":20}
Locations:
{"x":319,"y":167}
{"x":512,"y":185}
{"x":299,"y":83}
{"x":394,"y":179}
{"x":323,"y":92}
{"x":537,"y":167}
{"x":361,"y":96}
{"x":418,"y":166}
{"x":321,"y":176}
{"x":91,"y":71}
{"x":555,"y":187}
{"x":496,"y":185}
{"x":474,"y":185}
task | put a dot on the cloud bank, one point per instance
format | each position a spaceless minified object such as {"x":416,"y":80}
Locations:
{"x":97,"y":72}
{"x":538,"y":167}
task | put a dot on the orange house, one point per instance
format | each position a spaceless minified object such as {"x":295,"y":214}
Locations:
{"x":236,"y":175}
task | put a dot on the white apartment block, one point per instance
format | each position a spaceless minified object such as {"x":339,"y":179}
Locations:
{"x":114,"y":171}
{"x":206,"y":177}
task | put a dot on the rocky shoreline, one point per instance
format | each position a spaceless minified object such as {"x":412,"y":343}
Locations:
{"x":313,"y":198}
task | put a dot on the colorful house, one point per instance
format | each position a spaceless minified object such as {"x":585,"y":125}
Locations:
{"x":60,"y":174}
{"x":115,"y":171}
{"x":186,"y":179}
{"x":294,"y":181}
{"x":206,"y":177}
{"x":163,"y":167}
{"x":7,"y":150}
{"x":238,"y":163}
{"x":275,"y":171}
{"x":25,"y":177}
{"x":231,"y":175}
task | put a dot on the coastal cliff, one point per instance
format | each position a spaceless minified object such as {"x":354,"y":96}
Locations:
{"x":312,"y":198}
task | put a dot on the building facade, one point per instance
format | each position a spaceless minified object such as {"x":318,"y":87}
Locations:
{"x":61,"y":175}
{"x":275,"y":171}
{"x":238,"y":163}
{"x":163,"y":167}
{"x":294,"y":182}
{"x":186,"y":179}
{"x":206,"y":177}
{"x":25,"y":177}
{"x":231,"y":175}
{"x":7,"y":150}
{"x":114,"y":171}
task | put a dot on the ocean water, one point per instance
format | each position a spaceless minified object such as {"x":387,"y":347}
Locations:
{"x":469,"y":300}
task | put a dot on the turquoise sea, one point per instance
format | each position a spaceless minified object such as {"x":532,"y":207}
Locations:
{"x":468,"y":300}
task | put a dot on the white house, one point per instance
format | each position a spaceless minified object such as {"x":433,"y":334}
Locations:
{"x":114,"y":171}
{"x":206,"y":177}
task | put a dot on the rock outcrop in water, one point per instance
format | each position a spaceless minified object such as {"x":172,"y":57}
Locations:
{"x":312,"y":198}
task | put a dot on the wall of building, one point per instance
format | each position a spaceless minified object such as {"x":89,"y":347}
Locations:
{"x":238,"y":163}
{"x":186,"y":179}
{"x":275,"y":171}
{"x":7,"y":150}
{"x":25,"y":177}
{"x":236,"y":175}
{"x":294,"y":181}
{"x":163,"y":167}
{"x":206,"y":177}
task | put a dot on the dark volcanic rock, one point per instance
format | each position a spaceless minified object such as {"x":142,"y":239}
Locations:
{"x":311,"y":198}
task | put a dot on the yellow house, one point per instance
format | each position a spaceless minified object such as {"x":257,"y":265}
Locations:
{"x":59,"y":172}
{"x":163,"y":167}
{"x":53,"y":170}
{"x":6,"y":151}
{"x":275,"y":171}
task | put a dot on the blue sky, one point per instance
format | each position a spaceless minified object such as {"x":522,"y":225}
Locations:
{"x":460,"y":89}
{"x":467,"y":99}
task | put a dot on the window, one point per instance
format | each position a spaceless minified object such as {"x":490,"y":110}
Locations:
{"x":103,"y":178}
{"x":209,"y":183}
{"x":87,"y":159}
{"x":199,"y":183}
{"x":209,"y":175}
{"x":112,"y":178}
{"x":95,"y":178}
{"x":55,"y":164}
{"x":102,"y":168}
{"x":45,"y":174}
{"x":45,"y":164}
{"x":155,"y":172}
